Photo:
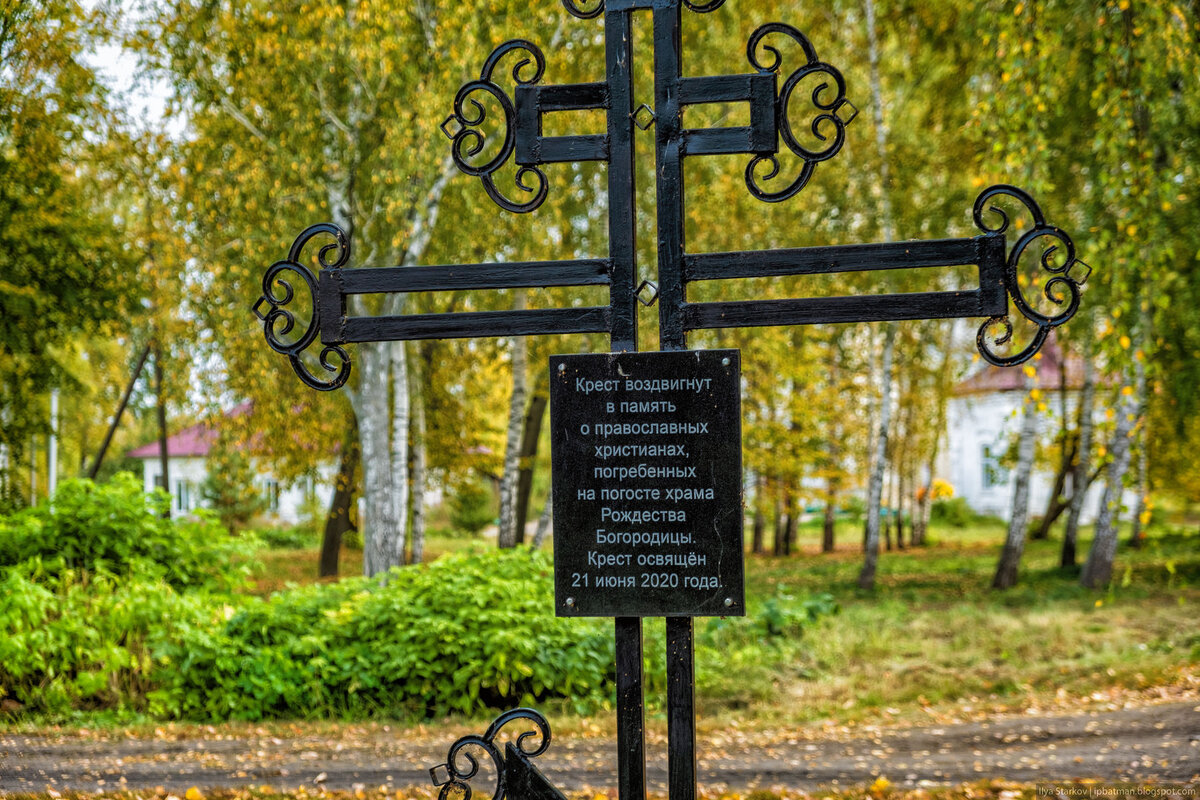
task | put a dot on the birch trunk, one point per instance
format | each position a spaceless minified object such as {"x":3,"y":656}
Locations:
{"x":1058,"y":501}
{"x":780,"y":521}
{"x":830,"y":518}
{"x":833,"y":453}
{"x":337,"y":521}
{"x":1079,"y":477}
{"x":925,"y":504}
{"x":1136,"y":533}
{"x":531,"y":432}
{"x":374,"y":435}
{"x":507,"y":535}
{"x":866,"y":578}
{"x":160,"y":403}
{"x":543,"y":526}
{"x":419,"y":465}
{"x":396,"y":546}
{"x":1097,"y":572}
{"x":760,"y":515}
{"x":382,"y":369}
{"x":1014,"y":542}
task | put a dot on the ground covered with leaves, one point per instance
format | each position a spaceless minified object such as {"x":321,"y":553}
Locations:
{"x":1157,"y":743}
{"x":138,"y":653}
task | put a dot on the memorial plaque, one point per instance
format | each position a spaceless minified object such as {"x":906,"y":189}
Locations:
{"x":647,"y":480}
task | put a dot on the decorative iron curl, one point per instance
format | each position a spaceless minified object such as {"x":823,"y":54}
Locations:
{"x":278,"y":321}
{"x":704,"y":8}
{"x":459,"y":775}
{"x":470,"y":140}
{"x":1062,"y":289}
{"x":827,"y":106}
{"x":575,"y":10}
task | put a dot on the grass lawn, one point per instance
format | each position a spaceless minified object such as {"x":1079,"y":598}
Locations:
{"x":932,"y":641}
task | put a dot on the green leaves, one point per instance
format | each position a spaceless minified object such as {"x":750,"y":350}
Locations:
{"x":469,"y":632}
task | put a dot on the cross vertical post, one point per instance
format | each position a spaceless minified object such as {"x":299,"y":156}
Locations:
{"x":622,"y":249}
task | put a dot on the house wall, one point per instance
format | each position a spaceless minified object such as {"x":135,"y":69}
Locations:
{"x":285,"y":505}
{"x":982,"y":427}
{"x":186,"y":474}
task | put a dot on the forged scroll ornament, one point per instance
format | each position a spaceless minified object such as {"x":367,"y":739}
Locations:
{"x":827,"y":106}
{"x":1062,"y":289}
{"x":470,"y":140}
{"x":704,"y":8}
{"x":581,"y":10}
{"x":460,"y":772}
{"x":278,"y":322}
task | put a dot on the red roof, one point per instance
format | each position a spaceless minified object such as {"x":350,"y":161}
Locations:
{"x":195,"y":440}
{"x":1050,"y":368}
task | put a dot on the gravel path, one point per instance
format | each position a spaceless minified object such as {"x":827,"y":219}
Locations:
{"x":1150,"y":743}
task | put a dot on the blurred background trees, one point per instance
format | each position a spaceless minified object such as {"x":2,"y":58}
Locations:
{"x":118,"y":233}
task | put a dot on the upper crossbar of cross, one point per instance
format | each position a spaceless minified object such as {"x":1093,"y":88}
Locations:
{"x":777,"y":111}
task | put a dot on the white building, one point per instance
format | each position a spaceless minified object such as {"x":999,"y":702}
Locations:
{"x":187,"y":467}
{"x":983,"y":420}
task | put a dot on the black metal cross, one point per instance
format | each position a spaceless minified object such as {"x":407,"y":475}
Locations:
{"x":770,"y":91}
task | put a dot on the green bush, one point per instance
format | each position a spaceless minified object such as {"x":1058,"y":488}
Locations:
{"x":106,"y":606}
{"x":118,"y":529}
{"x":89,"y":580}
{"x":77,"y":641}
{"x":472,"y":508}
{"x":464,"y":633}
{"x":292,"y":537}
{"x":955,"y":512}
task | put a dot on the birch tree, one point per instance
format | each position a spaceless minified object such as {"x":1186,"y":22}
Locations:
{"x":323,"y":112}
{"x":1014,"y":540}
{"x":1080,"y":479}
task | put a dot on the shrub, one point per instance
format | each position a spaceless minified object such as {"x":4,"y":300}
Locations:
{"x":118,"y":529}
{"x":471,"y":508}
{"x":291,"y":537}
{"x":464,"y":633}
{"x":955,"y":512}
{"x":71,"y":639}
{"x":88,"y":581}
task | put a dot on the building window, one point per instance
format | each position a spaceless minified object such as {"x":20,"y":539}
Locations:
{"x":994,"y":474}
{"x":271,"y":494}
{"x":183,"y":496}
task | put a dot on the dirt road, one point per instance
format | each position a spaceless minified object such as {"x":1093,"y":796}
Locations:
{"x":1150,"y":743}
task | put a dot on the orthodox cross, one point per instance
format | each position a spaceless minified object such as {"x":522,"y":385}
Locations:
{"x":777,"y":110}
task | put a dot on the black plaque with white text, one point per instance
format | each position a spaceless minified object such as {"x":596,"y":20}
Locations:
{"x":647,"y":481}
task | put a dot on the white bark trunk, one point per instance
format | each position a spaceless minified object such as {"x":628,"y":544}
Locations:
{"x":543,"y":526}
{"x":52,"y":449}
{"x":1014,"y":542}
{"x":419,"y":469}
{"x":1143,"y":477}
{"x":866,"y":578}
{"x":1079,"y":478}
{"x":1136,"y":527}
{"x":399,"y":452}
{"x":374,"y":434}
{"x":886,"y":223}
{"x":507,"y":536}
{"x":1097,"y":572}
{"x":384,"y":426}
